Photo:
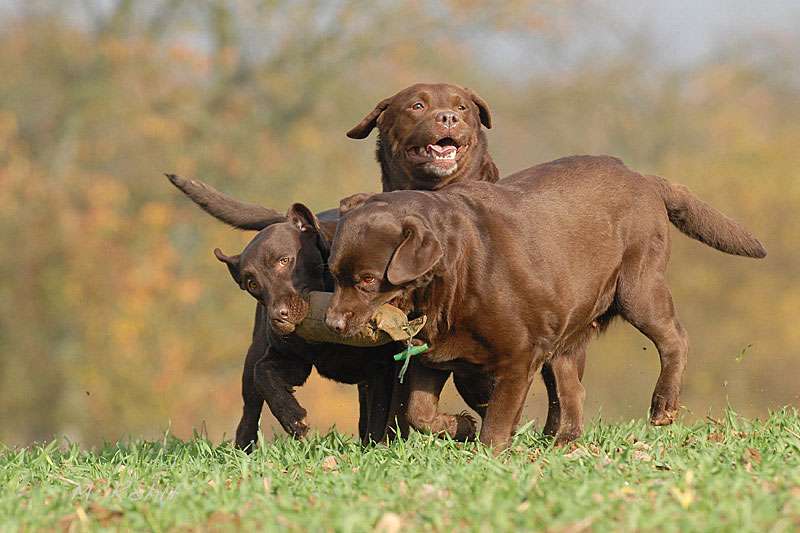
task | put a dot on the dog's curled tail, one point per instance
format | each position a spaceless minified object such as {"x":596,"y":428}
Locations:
{"x":238,"y":214}
{"x":700,"y":221}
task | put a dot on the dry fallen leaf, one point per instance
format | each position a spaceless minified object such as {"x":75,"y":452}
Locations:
{"x":639,"y":455}
{"x":104,"y":515}
{"x":68,"y":521}
{"x":752,"y":455}
{"x":221,"y":519}
{"x":430,"y":491}
{"x":684,"y":497}
{"x":578,"y":453}
{"x":389,"y":523}
{"x":81,"y":514}
{"x":329,"y":463}
{"x":534,"y":455}
{"x":577,"y":527}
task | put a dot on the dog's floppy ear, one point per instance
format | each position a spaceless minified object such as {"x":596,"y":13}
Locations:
{"x":302,"y":217}
{"x":233,"y":264}
{"x":417,"y":254}
{"x":353,"y":201}
{"x":483,"y":108}
{"x":307,"y":222}
{"x":363,"y":128}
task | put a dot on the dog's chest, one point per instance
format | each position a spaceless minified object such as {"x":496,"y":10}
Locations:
{"x":348,"y":365}
{"x":456,"y":346}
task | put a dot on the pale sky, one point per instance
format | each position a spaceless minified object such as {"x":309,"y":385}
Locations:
{"x":684,"y":31}
{"x":687,"y":29}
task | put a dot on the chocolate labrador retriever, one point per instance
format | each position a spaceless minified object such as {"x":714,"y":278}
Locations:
{"x":521,"y":272}
{"x":286,"y":260}
{"x":429,"y":135}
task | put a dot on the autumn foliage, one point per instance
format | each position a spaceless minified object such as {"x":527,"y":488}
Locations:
{"x":115,"y":319}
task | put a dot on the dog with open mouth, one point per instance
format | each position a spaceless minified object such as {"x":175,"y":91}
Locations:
{"x":430,"y":135}
{"x":435,"y":140}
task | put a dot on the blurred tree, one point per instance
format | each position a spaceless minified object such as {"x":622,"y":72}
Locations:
{"x":114,"y":317}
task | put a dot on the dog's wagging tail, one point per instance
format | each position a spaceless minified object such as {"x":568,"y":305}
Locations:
{"x":219,"y":205}
{"x":698,"y":220}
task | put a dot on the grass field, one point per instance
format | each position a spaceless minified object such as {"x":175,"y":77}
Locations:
{"x":730,"y":474}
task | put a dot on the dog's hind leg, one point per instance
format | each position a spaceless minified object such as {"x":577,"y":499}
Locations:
{"x":247,"y":431}
{"x":553,"y":405}
{"x":648,"y":305}
{"x":567,"y":371}
{"x":475,"y":387}
{"x":423,"y":405}
{"x":570,"y":367}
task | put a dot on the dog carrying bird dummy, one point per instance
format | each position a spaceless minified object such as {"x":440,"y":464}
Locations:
{"x":387,"y":325}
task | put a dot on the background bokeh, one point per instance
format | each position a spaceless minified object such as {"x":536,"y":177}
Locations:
{"x":115,"y":318}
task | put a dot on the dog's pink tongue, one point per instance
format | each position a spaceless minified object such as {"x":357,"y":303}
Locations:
{"x":441,"y":150}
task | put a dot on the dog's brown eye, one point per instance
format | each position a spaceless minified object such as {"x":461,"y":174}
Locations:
{"x":284,"y":260}
{"x":252,"y":286}
{"x":417,"y":106}
{"x":367,"y":279}
{"x":462,"y":107}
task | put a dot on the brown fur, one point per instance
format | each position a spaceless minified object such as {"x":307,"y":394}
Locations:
{"x":402,"y":127}
{"x":238,"y":214}
{"x":395,"y":126}
{"x":522,"y":272}
{"x":278,"y":268}
{"x":700,"y":221}
{"x":277,"y":360}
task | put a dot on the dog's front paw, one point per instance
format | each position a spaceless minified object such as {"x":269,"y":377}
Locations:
{"x":563,"y":438}
{"x":664,"y":418}
{"x":663,"y":411}
{"x":246,"y":437}
{"x":298,"y":429}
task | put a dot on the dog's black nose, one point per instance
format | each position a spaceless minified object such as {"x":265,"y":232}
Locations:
{"x":283,"y":312}
{"x":447,"y":118}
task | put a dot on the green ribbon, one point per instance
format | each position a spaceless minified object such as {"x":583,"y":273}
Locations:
{"x":406,"y":354}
